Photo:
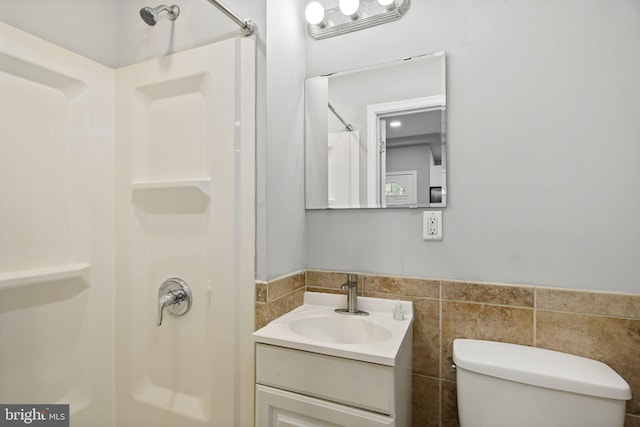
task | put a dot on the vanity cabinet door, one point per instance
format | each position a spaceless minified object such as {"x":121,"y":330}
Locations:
{"x":279,"y":408}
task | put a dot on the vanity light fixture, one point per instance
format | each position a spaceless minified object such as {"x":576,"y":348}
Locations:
{"x":351,"y":15}
{"x":395,"y":124}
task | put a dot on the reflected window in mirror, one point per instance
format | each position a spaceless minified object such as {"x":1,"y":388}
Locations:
{"x":394,"y":189}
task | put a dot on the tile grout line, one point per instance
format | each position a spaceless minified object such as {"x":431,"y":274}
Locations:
{"x":529,"y":307}
{"x":440,"y":355}
{"x":440,"y":399}
{"x":609,"y":316}
{"x":266,"y":298}
{"x":535,"y":317}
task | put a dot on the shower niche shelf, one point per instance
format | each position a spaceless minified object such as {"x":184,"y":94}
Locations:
{"x":188,"y":196}
{"x":28,"y":288}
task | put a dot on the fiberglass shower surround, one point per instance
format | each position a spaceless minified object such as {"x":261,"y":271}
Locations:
{"x":116,"y":189}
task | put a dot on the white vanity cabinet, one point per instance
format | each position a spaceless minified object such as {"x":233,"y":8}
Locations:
{"x":300,"y":388}
{"x":319,"y":368}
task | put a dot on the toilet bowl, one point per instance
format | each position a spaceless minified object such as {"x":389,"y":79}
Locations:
{"x":508,"y":385}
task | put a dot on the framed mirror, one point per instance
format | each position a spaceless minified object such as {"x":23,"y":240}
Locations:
{"x":375,"y":137}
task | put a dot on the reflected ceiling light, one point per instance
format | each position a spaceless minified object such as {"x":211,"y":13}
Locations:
{"x":351,"y":15}
{"x":314,"y":13}
{"x":395,"y":124}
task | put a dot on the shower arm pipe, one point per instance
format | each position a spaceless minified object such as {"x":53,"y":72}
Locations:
{"x":347,"y":126}
{"x":246,"y":25}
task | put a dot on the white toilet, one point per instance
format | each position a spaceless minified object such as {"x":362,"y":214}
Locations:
{"x":508,"y":385}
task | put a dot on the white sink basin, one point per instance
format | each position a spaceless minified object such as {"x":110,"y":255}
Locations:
{"x":316,"y":327}
{"x":340,"y":328}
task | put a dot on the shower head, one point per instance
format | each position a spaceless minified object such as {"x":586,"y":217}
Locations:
{"x":150,"y":14}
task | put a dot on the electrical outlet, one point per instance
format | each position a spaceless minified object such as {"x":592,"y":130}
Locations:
{"x":432,"y":225}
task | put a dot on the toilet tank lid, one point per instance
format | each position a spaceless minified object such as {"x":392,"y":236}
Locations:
{"x":540,"y":367}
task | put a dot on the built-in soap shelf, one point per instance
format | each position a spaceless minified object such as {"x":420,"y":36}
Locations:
{"x":38,"y":276}
{"x":179,"y":196}
{"x":27,"y":288}
{"x":201,"y":185}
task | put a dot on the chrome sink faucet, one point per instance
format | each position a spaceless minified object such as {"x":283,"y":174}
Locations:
{"x":350,"y":287}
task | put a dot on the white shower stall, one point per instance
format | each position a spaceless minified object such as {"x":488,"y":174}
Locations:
{"x":111,"y":182}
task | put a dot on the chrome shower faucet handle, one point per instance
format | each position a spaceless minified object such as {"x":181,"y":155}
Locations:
{"x":174,"y":295}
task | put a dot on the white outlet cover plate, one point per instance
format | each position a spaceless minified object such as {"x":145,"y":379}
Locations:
{"x":432,"y":225}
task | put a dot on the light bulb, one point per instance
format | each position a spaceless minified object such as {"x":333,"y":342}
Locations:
{"x":388,"y":4}
{"x":314,"y":13}
{"x":349,"y":7}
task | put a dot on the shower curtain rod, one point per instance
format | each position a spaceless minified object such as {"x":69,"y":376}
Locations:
{"x":347,"y":126}
{"x":246,"y":25}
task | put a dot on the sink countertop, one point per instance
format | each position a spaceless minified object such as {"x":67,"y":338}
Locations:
{"x":278,"y":332}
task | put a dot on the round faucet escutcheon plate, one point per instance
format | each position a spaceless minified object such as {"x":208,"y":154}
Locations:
{"x":172,"y":285}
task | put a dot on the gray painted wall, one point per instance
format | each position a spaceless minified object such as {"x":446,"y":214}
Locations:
{"x":543,"y":140}
{"x":281,"y":215}
{"x":87,"y":27}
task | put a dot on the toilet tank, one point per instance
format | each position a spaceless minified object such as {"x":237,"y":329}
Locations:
{"x":507,"y":385}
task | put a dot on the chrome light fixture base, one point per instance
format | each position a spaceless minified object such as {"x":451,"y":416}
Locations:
{"x":370,"y":14}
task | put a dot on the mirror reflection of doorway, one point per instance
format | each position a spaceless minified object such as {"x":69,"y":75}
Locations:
{"x":408,"y":137}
